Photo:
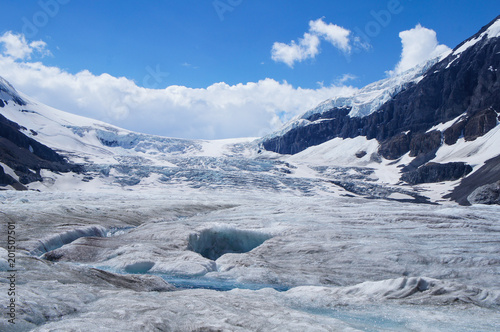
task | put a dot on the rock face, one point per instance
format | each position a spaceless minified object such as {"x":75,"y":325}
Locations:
{"x":487,"y":194}
{"x":26,"y":156}
{"x":484,"y":176}
{"x":433,"y":172}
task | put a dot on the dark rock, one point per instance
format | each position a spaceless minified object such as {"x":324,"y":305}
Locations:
{"x":424,"y":143}
{"x":7,"y":180}
{"x":331,"y":114}
{"x":395,"y":146}
{"x":423,"y":147}
{"x":433,"y":172}
{"x":26,"y":156}
{"x":419,"y":160}
{"x":27,"y":176}
{"x":336,"y":125}
{"x":489,"y":173}
{"x":453,"y":133}
{"x":479,"y":124}
{"x":487,"y":194}
{"x":375,"y":157}
{"x":360,"y":154}
{"x":2,"y":103}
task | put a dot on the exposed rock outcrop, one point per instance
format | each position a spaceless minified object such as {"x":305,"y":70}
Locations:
{"x":489,"y":173}
{"x":26,"y":156}
{"x":433,"y":172}
{"x":487,"y":194}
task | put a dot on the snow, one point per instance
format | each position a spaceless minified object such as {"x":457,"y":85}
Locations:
{"x":399,"y":196}
{"x":9,"y":171}
{"x":338,"y":151}
{"x":474,"y":152}
{"x":364,"y":101}
{"x":494,"y":30}
{"x":443,"y":126}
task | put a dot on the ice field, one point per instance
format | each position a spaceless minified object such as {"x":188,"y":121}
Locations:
{"x":240,"y":260}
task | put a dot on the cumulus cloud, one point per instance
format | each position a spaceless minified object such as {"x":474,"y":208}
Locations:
{"x":308,"y":46}
{"x":16,"y":46}
{"x":334,"y":34}
{"x":419,"y":45}
{"x":218,"y":111}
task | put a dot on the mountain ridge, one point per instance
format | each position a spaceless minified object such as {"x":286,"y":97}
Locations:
{"x":456,"y":98}
{"x":391,"y":119}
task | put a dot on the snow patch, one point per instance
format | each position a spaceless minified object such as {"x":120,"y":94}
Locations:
{"x":443,"y":126}
{"x":339,"y":151}
{"x":9,"y":171}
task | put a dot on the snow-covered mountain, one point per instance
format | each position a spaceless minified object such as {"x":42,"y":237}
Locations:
{"x":429,"y":133}
{"x":68,"y":152}
{"x":364,"y":102}
{"x":437,"y":123}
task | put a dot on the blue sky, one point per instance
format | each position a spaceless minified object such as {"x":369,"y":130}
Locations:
{"x":199,"y":45}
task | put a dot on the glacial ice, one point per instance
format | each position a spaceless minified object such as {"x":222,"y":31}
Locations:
{"x":215,"y":242}
{"x":325,"y":263}
{"x":58,"y":240}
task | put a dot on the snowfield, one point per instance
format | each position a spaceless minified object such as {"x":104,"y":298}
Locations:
{"x":246,"y":260}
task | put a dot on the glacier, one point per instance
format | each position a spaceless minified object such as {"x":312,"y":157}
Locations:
{"x":307,"y":263}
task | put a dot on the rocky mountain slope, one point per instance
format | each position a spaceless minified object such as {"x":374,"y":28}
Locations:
{"x":24,"y":155}
{"x":456,"y":100}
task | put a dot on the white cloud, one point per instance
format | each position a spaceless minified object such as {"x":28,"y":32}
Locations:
{"x":308,"y":46}
{"x":419,"y":45}
{"x":345,"y":78}
{"x":218,"y":111}
{"x":336,"y":35}
{"x":16,"y":46}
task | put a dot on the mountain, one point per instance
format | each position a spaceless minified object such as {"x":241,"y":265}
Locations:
{"x":428,"y":135}
{"x":23,"y":156}
{"x":426,"y":112}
